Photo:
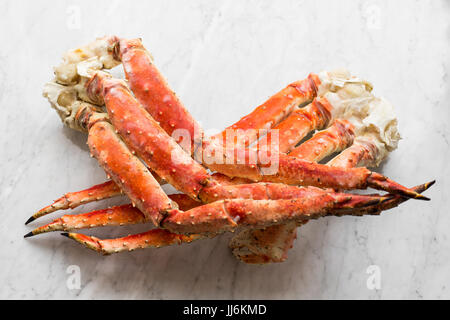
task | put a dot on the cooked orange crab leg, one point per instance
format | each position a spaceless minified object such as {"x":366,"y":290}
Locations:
{"x":101,"y":89}
{"x":324,"y":143}
{"x":128,"y":172}
{"x":153,"y":92}
{"x":110,"y":189}
{"x":271,"y":244}
{"x":220,"y":216}
{"x":151,"y":145}
{"x":115,"y":216}
{"x":154,"y":238}
{"x":143,"y":76}
{"x":145,"y":137}
{"x":162,"y":154}
{"x":293,"y":129}
{"x":257,"y":191}
{"x":127,"y":214}
{"x":361,"y":153}
{"x":277,"y":103}
{"x":73,"y":199}
{"x":264,"y":207}
{"x":299,"y":123}
{"x":275,"y":110}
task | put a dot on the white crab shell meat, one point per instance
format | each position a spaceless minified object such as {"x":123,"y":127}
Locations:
{"x":337,"y":79}
{"x":374,"y":118}
{"x":66,"y":92}
{"x":64,"y":99}
{"x":97,"y":52}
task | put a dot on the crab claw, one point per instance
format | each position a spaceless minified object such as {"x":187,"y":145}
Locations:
{"x":379,"y":181}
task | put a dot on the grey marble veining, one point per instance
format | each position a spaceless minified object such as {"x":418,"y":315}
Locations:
{"x":223,"y":58}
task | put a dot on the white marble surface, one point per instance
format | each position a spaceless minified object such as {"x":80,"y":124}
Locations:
{"x":223,"y":58}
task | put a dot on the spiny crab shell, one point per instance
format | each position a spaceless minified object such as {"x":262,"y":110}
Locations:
{"x":373,"y":118}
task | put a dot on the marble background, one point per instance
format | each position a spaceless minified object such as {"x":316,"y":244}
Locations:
{"x":223,"y":58}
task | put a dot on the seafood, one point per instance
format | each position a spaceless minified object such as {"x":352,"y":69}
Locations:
{"x":253,"y":177}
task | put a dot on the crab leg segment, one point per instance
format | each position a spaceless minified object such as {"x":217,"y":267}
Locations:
{"x":167,"y":158}
{"x":226,"y":215}
{"x":361,"y":153}
{"x":271,"y":244}
{"x":72,"y":200}
{"x":128,"y":172}
{"x":129,"y":215}
{"x":114,"y":216}
{"x":152,"y":90}
{"x":125,"y":214}
{"x":299,"y":123}
{"x":109,"y":189}
{"x":275,"y":109}
{"x":257,"y":191}
{"x":229,"y":214}
{"x":336,"y":138}
{"x":151,"y":239}
{"x":143,"y":135}
{"x":259,"y":246}
{"x":296,"y":171}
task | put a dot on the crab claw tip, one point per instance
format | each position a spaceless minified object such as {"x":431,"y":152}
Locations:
{"x":380,"y":182}
{"x":30,"y":219}
{"x":429,"y":184}
{"x":29,"y":234}
{"x":65,"y":234}
{"x":421,"y":197}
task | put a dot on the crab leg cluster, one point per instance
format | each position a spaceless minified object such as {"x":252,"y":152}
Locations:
{"x":143,"y":136}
